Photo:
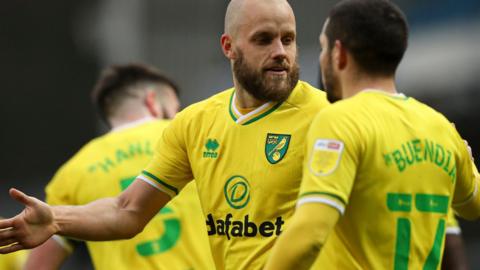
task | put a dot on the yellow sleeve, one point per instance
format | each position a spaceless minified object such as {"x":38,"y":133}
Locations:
{"x":170,"y":170}
{"x":452,"y":224}
{"x":331,"y":161}
{"x":465,"y":186}
{"x":466,"y":200}
{"x":298,"y":247}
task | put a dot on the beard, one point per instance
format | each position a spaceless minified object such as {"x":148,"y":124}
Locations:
{"x":330,"y":82}
{"x":263,"y":87}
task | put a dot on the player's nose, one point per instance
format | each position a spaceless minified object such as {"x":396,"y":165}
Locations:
{"x":278,"y":49}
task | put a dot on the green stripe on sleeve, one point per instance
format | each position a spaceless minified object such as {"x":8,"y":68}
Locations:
{"x":172,"y":188}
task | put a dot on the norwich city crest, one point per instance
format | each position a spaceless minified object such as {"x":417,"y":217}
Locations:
{"x":276,"y":147}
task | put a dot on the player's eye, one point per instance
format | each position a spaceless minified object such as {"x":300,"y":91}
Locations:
{"x":287,"y":40}
{"x":262,"y":39}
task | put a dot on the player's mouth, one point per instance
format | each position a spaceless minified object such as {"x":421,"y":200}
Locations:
{"x":276,"y":70}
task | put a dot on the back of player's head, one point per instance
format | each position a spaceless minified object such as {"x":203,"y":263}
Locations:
{"x":118,"y":83}
{"x":375,"y":32}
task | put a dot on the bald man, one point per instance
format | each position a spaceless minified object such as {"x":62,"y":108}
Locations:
{"x":243,"y":146}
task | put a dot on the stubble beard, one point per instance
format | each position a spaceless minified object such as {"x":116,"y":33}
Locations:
{"x":330,"y":82}
{"x":263,"y":87}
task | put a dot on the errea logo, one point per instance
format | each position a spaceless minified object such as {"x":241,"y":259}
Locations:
{"x":211,"y":147}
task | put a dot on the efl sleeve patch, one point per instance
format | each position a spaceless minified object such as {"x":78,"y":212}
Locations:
{"x":325,"y":156}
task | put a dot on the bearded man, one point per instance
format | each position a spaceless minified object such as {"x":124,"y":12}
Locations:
{"x":244,"y":147}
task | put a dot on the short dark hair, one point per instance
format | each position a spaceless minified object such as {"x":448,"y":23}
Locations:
{"x":375,"y":32}
{"x":119,"y":82}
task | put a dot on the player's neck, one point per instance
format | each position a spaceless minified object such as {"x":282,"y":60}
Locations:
{"x":354,"y":86}
{"x":126,"y":121}
{"x":243,"y":100}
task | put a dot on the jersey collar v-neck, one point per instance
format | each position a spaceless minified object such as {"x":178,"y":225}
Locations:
{"x":252,"y":116}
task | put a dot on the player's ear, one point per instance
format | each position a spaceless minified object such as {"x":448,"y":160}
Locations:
{"x":340,"y":57}
{"x":152,"y":104}
{"x":227,"y":48}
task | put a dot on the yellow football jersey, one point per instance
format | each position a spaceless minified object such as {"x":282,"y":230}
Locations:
{"x":247,"y":168}
{"x":13,"y":261}
{"x":392,"y":166}
{"x":174,"y":239}
{"x":452,"y":223}
{"x":452,"y":226}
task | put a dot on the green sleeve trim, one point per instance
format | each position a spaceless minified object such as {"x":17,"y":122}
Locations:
{"x":172,"y":188}
{"x":324,"y":193}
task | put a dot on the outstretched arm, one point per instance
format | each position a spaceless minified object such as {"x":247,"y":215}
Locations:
{"x":106,"y":219}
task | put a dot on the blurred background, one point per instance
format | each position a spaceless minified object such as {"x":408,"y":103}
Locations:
{"x":51,"y":53}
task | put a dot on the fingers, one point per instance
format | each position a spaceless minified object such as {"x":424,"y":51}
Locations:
{"x":6,"y":223}
{"x":21,"y":197}
{"x":7,"y":242}
{"x":7,"y":237}
{"x":11,"y":249}
{"x":5,"y":234}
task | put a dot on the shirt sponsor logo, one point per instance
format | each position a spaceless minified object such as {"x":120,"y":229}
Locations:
{"x":237,"y":195}
{"x":211,"y":147}
{"x":276,"y":146}
{"x":237,"y":191}
{"x":244,"y":227}
{"x":325,"y":157}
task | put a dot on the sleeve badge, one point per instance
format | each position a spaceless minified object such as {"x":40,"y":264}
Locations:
{"x":325,"y":156}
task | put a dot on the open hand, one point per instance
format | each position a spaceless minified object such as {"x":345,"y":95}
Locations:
{"x":33,"y":226}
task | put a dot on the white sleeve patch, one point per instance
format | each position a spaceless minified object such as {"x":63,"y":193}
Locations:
{"x":453,"y":230}
{"x":153,"y":184}
{"x":325,"y":156}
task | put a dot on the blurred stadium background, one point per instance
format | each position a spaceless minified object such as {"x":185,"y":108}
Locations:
{"x":52,"y":51}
